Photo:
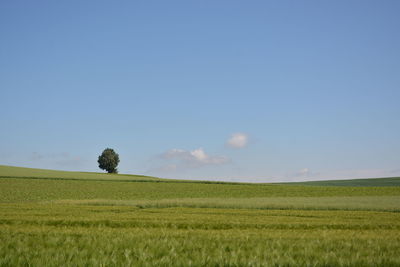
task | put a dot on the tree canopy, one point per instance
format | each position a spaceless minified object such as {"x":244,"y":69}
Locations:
{"x":108,"y":160}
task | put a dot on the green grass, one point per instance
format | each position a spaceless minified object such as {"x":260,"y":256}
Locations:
{"x":10,"y":171}
{"x":52,"y":218}
{"x":47,"y":234}
{"x":370,"y":203}
{"x":26,"y":189}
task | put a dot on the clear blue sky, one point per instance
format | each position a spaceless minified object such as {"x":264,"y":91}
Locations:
{"x":223,"y":90}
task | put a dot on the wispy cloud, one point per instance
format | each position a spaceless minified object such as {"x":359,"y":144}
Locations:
{"x":304,"y":172}
{"x":238,"y":140}
{"x":178,"y":160}
{"x":194,"y":158}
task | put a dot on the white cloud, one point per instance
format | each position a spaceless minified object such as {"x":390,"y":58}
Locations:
{"x":238,"y":140}
{"x":194,"y":158}
{"x":304,"y":171}
{"x":174,"y":153}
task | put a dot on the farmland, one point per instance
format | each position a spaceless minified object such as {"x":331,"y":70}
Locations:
{"x":57,"y":218}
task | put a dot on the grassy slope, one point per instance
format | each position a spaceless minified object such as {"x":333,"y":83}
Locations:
{"x":82,"y":219}
{"x":10,"y":171}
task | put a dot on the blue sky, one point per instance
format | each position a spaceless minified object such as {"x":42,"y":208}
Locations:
{"x":222,"y":90}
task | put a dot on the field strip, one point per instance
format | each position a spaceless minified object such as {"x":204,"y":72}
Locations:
{"x":84,"y":179}
{"x":367,"y":203}
{"x":133,"y":180}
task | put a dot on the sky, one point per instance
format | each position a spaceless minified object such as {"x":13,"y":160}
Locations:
{"x":255,"y":91}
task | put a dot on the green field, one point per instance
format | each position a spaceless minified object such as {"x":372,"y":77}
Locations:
{"x":53,"y":218}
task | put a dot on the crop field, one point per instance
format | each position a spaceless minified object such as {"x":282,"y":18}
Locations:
{"x":53,"y":218}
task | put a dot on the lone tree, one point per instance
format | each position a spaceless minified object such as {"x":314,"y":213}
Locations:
{"x":108,"y":160}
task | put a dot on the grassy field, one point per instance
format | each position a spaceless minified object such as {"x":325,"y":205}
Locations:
{"x":53,"y":218}
{"x":10,"y":171}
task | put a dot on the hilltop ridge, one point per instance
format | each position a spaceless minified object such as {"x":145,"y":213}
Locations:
{"x":23,"y":172}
